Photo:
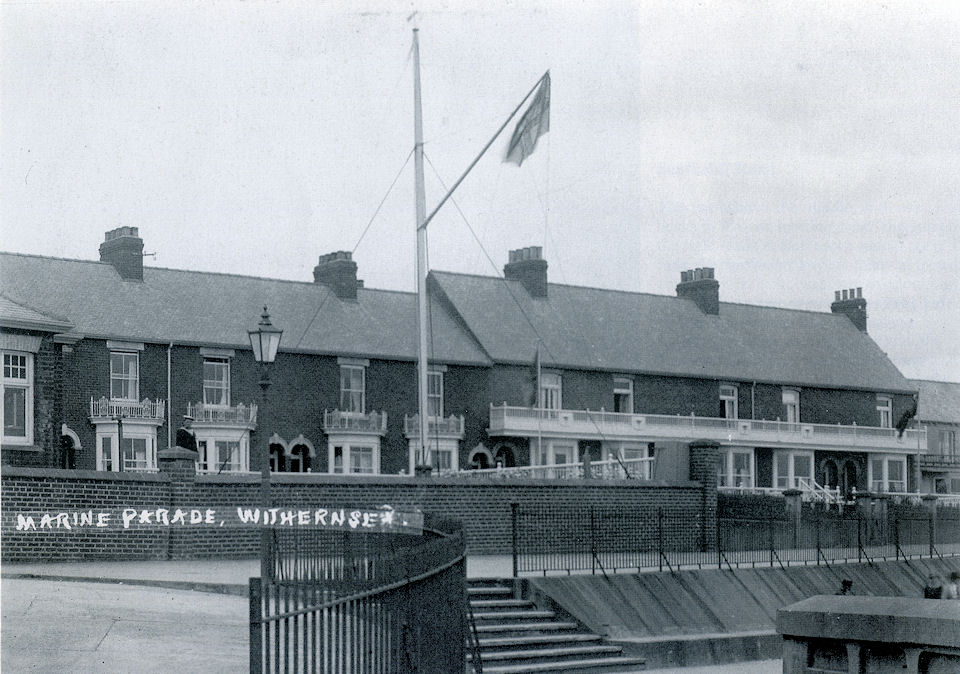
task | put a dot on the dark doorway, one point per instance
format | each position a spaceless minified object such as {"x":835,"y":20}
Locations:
{"x":504,"y":457}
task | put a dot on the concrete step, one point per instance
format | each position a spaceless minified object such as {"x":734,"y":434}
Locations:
{"x":551,"y":653}
{"x":528,"y":614}
{"x":501,"y":642}
{"x":499,"y":603}
{"x":569,"y":666}
{"x":527,"y":627}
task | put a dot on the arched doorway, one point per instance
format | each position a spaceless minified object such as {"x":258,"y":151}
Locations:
{"x":505,"y":457}
{"x":300,"y":459}
{"x":831,"y":474}
{"x":481,"y":458}
{"x":278,"y":463}
{"x":848,"y":478}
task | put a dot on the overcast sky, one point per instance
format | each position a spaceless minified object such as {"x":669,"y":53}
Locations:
{"x":798,"y":150}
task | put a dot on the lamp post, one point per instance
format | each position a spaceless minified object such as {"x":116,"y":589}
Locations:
{"x":264,"y":340}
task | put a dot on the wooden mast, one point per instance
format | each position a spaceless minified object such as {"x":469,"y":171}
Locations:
{"x":421,"y":199}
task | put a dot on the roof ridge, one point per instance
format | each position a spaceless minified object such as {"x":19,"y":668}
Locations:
{"x":206,"y":273}
{"x":639,"y":292}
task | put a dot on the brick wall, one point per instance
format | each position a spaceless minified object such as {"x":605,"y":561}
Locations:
{"x":483,"y":505}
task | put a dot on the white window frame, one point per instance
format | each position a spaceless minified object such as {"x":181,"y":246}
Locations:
{"x":133,"y":429}
{"x":435,"y":393}
{"x":444,"y":446}
{"x":551,"y":391}
{"x":17,"y":383}
{"x":725,"y":468}
{"x":882,"y":483}
{"x":123,"y":376}
{"x":208,"y":437}
{"x":947,"y":442}
{"x":792,"y":478}
{"x":623,"y":386}
{"x":219,"y":387}
{"x":791,"y":405}
{"x":546,"y":453}
{"x":730,"y":396}
{"x":348,"y":445}
{"x":350,"y":392}
{"x":628,"y":451}
{"x":885,"y":411}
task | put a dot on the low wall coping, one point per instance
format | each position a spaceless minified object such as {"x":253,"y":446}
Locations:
{"x":71,"y":474}
{"x":899,"y":620}
{"x":411,"y":480}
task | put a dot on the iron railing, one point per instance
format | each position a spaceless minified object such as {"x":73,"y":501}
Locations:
{"x":600,"y":424}
{"x":596,"y":540}
{"x":344,"y":602}
{"x":371,"y":422}
{"x":105,"y":408}
{"x":241,"y":415}
{"x":446,"y":426}
{"x":609,"y":469}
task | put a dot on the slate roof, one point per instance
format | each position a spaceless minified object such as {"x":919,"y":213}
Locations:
{"x":595,"y":329}
{"x":188,"y":307}
{"x":16,"y":314}
{"x":939,"y":401}
{"x":477,"y":320}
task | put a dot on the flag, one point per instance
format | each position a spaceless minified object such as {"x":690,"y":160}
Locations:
{"x":905,"y":419}
{"x":534,"y":123}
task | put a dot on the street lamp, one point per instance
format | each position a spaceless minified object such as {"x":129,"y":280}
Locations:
{"x":265,"y":340}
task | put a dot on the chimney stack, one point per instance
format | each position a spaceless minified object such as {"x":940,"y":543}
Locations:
{"x":527,"y":266}
{"x":700,"y":286}
{"x":339,"y":271}
{"x":851,"y":303}
{"x":123,"y":248}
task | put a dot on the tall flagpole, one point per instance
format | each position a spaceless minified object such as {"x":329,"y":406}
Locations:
{"x":421,"y":199}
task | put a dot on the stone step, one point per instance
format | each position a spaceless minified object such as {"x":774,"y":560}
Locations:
{"x":501,"y":642}
{"x":528,"y":614}
{"x":527,"y":627}
{"x":499,"y":603}
{"x":555,"y":652}
{"x":569,"y":666}
{"x":491,"y":590}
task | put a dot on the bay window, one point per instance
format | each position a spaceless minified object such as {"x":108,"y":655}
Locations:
{"x":792,"y":469}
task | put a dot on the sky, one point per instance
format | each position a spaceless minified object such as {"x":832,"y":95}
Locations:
{"x":798,"y":148}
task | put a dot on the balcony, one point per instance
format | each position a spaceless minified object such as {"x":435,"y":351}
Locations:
{"x":371,"y":423}
{"x":939,"y":461}
{"x":602,"y":425}
{"x":611,"y":469}
{"x":441,"y":427}
{"x":108,"y":410}
{"x":239,"y":416}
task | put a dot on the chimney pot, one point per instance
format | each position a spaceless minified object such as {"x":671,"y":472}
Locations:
{"x":836,"y":295}
{"x":123,"y":249}
{"x":527,"y":266}
{"x":859,"y":292}
{"x":339,"y":271}
{"x":700,"y":286}
{"x":850,"y":302}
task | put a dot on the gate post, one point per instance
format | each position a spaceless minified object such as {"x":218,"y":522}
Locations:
{"x":256,"y":627}
{"x":514,"y":516}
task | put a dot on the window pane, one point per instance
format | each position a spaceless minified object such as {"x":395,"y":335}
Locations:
{"x":876,"y":467}
{"x":741,"y":470}
{"x":14,"y":412}
{"x":895,"y":475}
{"x":783,"y":471}
{"x":216,"y":382}
{"x":135,"y":454}
{"x":361,"y":459}
{"x":722,"y":470}
{"x":435,"y":394}
{"x":444,"y":459}
{"x":14,"y":366}
{"x":338,"y":459}
{"x":801,"y":466}
{"x":106,"y":453}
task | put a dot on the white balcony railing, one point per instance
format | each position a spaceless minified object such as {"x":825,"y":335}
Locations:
{"x":236,"y":415}
{"x":352,"y":422}
{"x":451,"y":426}
{"x":610,"y":469}
{"x":603,"y":425}
{"x":104,"y":408}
